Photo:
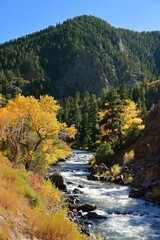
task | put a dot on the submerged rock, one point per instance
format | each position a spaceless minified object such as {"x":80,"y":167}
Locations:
{"x":77,"y":191}
{"x":81,"y":186}
{"x":70,"y":183}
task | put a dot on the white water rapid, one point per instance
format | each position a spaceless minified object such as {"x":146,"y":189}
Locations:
{"x":127,"y":218}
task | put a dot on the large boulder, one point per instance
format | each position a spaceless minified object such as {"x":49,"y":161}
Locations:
{"x":59,"y":181}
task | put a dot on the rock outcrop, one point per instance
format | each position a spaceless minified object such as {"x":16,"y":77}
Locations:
{"x":145,"y":163}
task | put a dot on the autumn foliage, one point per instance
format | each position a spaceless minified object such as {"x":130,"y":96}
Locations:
{"x":29,"y":129}
{"x":120,"y":122}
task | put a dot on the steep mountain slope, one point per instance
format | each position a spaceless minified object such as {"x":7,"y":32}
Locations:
{"x":143,"y":158}
{"x":83,"y":53}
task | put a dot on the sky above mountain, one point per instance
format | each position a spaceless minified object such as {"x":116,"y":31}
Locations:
{"x":19,"y":18}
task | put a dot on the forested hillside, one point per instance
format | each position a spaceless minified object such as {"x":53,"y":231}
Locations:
{"x":83,"y":53}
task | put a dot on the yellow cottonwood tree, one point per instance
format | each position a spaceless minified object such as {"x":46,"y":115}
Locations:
{"x":120,"y":122}
{"x":131,"y":119}
{"x":27,"y":125}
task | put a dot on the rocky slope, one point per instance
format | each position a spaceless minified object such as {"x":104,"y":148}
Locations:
{"x":143,"y":159}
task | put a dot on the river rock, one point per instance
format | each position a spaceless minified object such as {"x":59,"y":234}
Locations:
{"x":86,"y":207}
{"x":77,"y":191}
{"x":69,"y":182}
{"x":92,"y":170}
{"x":73,"y":207}
{"x":137,"y":192}
{"x":72,"y":199}
{"x":88,"y":223}
{"x":94,"y":215}
{"x":92,"y":177}
{"x":59,"y":181}
{"x":102,"y":179}
{"x":148,"y":196}
{"x":81,"y":186}
{"x":85,"y":230}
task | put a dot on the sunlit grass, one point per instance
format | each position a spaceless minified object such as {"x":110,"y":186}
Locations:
{"x":4,"y":232}
{"x":27,"y":197}
{"x":54,"y":226}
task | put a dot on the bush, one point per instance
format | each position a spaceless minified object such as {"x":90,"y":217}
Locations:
{"x":132,"y":135}
{"x":116,"y":171}
{"x":105,"y":154}
{"x":129,"y":156}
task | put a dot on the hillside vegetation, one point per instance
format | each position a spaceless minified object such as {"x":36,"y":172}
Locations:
{"x":30,"y":140}
{"x":31,"y":207}
{"x":83,"y":53}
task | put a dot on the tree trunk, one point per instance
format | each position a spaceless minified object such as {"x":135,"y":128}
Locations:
{"x":17,"y":155}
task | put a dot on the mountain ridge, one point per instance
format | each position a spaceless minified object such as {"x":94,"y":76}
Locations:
{"x":83,"y":53}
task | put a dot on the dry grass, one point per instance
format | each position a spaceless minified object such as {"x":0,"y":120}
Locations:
{"x":54,"y":226}
{"x":9,"y":200}
{"x":4,"y":232}
{"x":33,"y":207}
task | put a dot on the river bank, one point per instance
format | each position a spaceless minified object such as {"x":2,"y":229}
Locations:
{"x":125,"y":218}
{"x":148,"y":189}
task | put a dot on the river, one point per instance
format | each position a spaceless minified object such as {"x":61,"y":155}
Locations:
{"x":127,"y":218}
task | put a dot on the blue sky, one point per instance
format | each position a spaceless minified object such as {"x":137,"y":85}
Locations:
{"x":19,"y":17}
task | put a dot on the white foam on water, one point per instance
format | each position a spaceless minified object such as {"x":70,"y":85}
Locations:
{"x":127,"y":218}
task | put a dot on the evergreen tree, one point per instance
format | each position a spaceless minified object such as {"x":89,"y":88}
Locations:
{"x":110,"y":120}
{"x":123,"y":92}
{"x":93,"y":118}
{"x":77,"y":115}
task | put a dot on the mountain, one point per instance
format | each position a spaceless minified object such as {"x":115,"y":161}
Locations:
{"x":83,"y":53}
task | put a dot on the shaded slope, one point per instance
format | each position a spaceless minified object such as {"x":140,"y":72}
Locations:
{"x":144,"y":164}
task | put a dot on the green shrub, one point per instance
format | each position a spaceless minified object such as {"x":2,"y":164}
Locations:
{"x":105,"y":154}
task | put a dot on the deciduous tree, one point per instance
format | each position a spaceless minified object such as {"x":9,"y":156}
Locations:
{"x":29,"y":125}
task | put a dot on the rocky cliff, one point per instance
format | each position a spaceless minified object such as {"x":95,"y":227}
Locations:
{"x":143,"y":158}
